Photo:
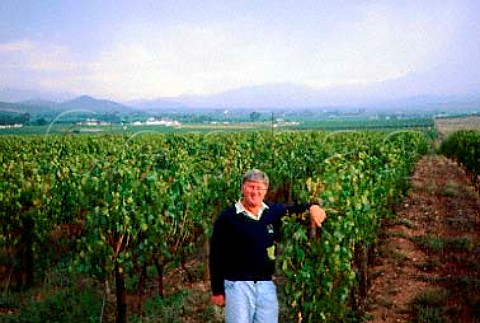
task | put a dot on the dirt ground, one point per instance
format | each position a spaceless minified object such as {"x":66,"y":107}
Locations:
{"x":428,"y":264}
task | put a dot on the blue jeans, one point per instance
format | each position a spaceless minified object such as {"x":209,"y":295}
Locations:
{"x":249,"y":302}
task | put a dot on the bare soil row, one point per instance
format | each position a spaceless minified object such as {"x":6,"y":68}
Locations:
{"x":428,"y":264}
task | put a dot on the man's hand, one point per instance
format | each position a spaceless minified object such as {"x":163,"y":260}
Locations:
{"x":218,"y":300}
{"x":317,"y":215}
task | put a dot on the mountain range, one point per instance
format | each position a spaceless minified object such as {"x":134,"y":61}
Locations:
{"x":452,"y":83}
{"x":399,"y":94}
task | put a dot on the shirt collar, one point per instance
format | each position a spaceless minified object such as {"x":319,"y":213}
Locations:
{"x":241,"y":209}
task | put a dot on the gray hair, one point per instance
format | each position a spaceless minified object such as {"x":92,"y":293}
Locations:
{"x":255,"y":175}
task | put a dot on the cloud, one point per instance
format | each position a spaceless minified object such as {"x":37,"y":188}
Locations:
{"x":15,"y":46}
{"x":383,"y":42}
{"x":51,"y":67}
{"x":27,"y":55}
{"x":184,"y":59}
{"x":317,"y":45}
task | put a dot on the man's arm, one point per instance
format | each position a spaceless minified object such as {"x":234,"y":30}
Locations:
{"x":216,"y":260}
{"x":317,"y":213}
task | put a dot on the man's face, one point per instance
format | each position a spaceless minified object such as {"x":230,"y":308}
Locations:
{"x":253,"y":193}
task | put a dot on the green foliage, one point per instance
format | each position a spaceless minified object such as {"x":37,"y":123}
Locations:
{"x":66,"y":305}
{"x":430,"y":242}
{"x":159,"y":309}
{"x":436,"y":243}
{"x":359,"y":187}
{"x":147,"y":200}
{"x":430,"y":306}
{"x":464,"y":146}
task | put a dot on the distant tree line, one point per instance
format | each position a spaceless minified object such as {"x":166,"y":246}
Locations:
{"x":14,"y":118}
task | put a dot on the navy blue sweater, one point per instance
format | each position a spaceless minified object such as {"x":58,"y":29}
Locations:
{"x":238,"y":246}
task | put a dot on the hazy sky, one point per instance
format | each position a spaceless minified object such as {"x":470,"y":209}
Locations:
{"x":146,"y":49}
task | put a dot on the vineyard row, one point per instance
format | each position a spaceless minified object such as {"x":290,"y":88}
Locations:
{"x":142,"y":203}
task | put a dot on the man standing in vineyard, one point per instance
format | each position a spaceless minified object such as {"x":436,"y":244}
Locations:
{"x":243,"y":251}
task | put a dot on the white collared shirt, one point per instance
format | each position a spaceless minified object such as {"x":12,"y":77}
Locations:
{"x":241,"y":209}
